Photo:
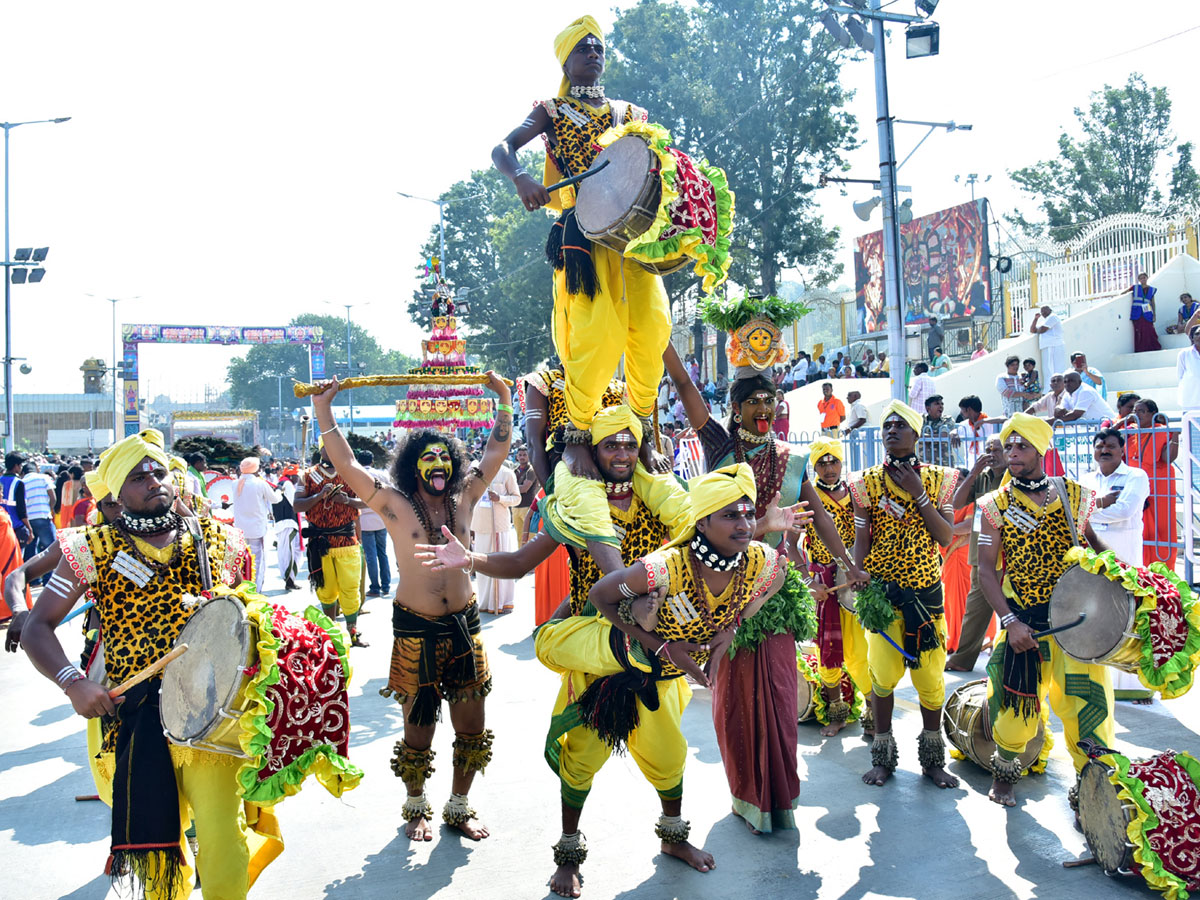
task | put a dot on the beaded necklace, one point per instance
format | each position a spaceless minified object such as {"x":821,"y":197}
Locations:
{"x":151,"y":524}
{"x":767,"y":476}
{"x":450,"y":505}
{"x":702,"y":608}
{"x":593,"y":91}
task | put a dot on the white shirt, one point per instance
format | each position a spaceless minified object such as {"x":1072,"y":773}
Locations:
{"x":800,"y":370}
{"x":1089,"y":400}
{"x":1187,"y":370}
{"x":858,"y":410}
{"x":1053,"y":337}
{"x":493,"y":515}
{"x":252,"y":505}
{"x":1047,"y":403}
{"x":973,"y":441}
{"x":922,"y":387}
{"x":1120,"y":525}
{"x":368,"y":519}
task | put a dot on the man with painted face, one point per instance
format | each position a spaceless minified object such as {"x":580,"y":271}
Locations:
{"x":902,"y":514}
{"x":334,"y":556}
{"x":138,"y":569}
{"x":1029,"y":523}
{"x":437,"y":653}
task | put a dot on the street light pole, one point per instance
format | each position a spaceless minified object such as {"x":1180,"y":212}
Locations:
{"x":9,"y":431}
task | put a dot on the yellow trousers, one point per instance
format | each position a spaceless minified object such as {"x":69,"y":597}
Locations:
{"x":854,"y":655}
{"x":887,"y":665}
{"x":237,"y":840}
{"x":630,"y":316}
{"x":1071,"y":688}
{"x":342,"y":568}
{"x":578,"y":648}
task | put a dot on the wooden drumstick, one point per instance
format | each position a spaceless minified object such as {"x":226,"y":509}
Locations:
{"x":149,"y":672}
{"x":575,"y":179}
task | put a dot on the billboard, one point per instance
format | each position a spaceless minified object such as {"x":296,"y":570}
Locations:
{"x":944,"y":270}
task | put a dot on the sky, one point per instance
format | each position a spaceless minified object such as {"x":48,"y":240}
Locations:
{"x":236,"y":164}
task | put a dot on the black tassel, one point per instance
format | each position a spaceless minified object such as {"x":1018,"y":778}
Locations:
{"x":554,"y":242}
{"x":568,"y":250}
{"x":609,"y":708}
{"x":426,"y":708}
{"x":132,"y":867}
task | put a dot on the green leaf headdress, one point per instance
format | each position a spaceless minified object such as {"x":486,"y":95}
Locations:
{"x":755,"y":325}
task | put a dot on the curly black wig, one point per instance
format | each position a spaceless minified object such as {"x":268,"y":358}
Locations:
{"x":740,"y":390}
{"x":404,"y":466}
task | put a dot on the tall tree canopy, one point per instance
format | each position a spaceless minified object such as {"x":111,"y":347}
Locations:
{"x":253,"y":384}
{"x":1117,"y":164}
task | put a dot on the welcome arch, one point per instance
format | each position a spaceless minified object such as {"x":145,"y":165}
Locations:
{"x":132,"y":336}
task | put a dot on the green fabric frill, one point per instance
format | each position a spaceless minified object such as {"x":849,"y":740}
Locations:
{"x":808,"y":671}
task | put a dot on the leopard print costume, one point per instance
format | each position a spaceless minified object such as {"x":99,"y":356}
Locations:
{"x":577,"y":125}
{"x":902,"y":549}
{"x":1032,"y":561}
{"x":641,"y":533}
{"x":140,"y":625}
{"x":551,"y":384}
{"x":677,"y":617}
{"x":842,"y":513}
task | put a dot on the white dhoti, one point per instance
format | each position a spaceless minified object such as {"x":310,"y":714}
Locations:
{"x":287,"y":548}
{"x":495,"y":594}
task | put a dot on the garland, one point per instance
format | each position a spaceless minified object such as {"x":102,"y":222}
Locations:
{"x":873,"y":608}
{"x":791,"y":610}
{"x":730,"y":316}
{"x":806,"y":664}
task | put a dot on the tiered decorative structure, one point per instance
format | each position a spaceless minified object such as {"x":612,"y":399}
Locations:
{"x":436,"y":404}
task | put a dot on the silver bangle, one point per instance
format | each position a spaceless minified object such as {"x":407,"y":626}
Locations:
{"x":517,"y":174}
{"x":1007,"y":619}
{"x":327,"y":430}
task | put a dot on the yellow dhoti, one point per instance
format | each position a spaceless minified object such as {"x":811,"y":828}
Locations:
{"x":887,"y":665}
{"x":342,"y":568}
{"x":854,"y":655}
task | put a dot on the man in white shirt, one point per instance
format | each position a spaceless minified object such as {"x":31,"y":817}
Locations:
{"x":858,"y":412}
{"x":252,"y":501}
{"x":1187,"y":370}
{"x":1082,"y":402}
{"x":800,"y":370}
{"x":1048,"y":327}
{"x":1121,"y":494}
{"x":1045,"y":406}
{"x":288,"y":552}
{"x":491,"y":523}
{"x":975,"y":428}
{"x":922,"y":387}
{"x":374,"y":534}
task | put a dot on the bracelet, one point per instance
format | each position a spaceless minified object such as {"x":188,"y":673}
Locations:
{"x":504,"y":407}
{"x":64,"y":673}
{"x":327,"y":430}
{"x":76,"y":677}
{"x":471,"y":567}
{"x":1007,"y":619}
{"x":517,"y":174}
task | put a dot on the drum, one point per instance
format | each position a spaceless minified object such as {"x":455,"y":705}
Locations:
{"x":1105,"y":818}
{"x":1107,"y":635}
{"x":968,"y":727}
{"x":846,"y":596}
{"x":96,"y":670}
{"x":204,"y":691}
{"x":221,"y":491}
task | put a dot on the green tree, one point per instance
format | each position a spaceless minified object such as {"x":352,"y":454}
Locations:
{"x":1185,"y":183}
{"x":753,"y":85}
{"x":496,"y":261}
{"x":1113,"y":165}
{"x":253,"y":378}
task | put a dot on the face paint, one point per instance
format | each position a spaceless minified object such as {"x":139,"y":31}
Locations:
{"x":435,"y":461}
{"x":744,"y":508}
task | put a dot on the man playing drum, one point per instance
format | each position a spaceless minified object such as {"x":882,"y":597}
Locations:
{"x":138,"y":569}
{"x":1027,"y":527}
{"x":902,"y":515}
{"x":604,"y":306}
{"x":437,"y":653}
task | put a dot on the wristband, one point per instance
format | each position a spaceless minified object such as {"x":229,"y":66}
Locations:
{"x":517,"y":174}
{"x":1007,"y":619}
{"x":504,"y":407}
{"x":327,"y":430}
{"x":72,"y":679}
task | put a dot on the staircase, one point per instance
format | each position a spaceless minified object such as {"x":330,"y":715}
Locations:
{"x":1149,"y":375}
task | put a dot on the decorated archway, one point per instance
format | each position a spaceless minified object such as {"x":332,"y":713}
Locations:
{"x":227,"y":335}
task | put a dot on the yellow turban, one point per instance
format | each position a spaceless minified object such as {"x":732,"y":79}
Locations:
{"x":826,"y":447}
{"x":715,"y":491}
{"x":177,"y":464}
{"x":1037,"y":431}
{"x":95,"y":484}
{"x":904,"y":411}
{"x":119,"y":460}
{"x":568,"y":38}
{"x":612,"y":419}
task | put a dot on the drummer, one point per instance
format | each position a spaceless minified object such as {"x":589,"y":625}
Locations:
{"x":604,"y":308}
{"x":1025,"y":531}
{"x":132,"y":570}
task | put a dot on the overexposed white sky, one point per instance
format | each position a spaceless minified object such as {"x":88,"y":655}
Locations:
{"x":237,"y":163}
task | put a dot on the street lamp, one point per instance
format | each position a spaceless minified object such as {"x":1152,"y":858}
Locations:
{"x":349,"y":360}
{"x":441,"y":205}
{"x":8,"y":263}
{"x":117,"y":362}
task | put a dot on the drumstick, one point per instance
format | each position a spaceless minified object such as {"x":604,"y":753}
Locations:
{"x":575,"y":179}
{"x":78,"y":612}
{"x":149,"y":672}
{"x":301,"y":389}
{"x":1050,"y":631}
{"x":79,"y":798}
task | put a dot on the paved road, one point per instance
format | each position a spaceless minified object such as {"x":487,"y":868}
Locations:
{"x":854,"y":842}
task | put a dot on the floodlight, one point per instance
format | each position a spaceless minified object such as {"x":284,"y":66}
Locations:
{"x":926,"y":6}
{"x":835,"y":29}
{"x":921,"y":40}
{"x":861,"y":34}
{"x":18,"y":276}
{"x":904,"y":212}
{"x":39,"y":255}
{"x":26,"y":368}
{"x":864,"y":208}
{"x":36,"y":275}
{"x":22,"y":254}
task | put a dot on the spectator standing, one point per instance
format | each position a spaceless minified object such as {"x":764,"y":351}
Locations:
{"x":1082,"y":402}
{"x":1141,"y":315}
{"x":252,"y":502}
{"x":937,"y":432}
{"x":14,"y":496}
{"x":287,"y":533}
{"x":527,"y":484}
{"x":832,"y":410}
{"x":1187,"y":309}
{"x":1122,"y":492}
{"x":1051,"y":341}
{"x":783,"y":415}
{"x":1153,"y":450}
{"x":722,"y":384}
{"x":679,"y":412}
{"x":858,"y":412}
{"x":1012,"y":392}
{"x":980,"y":351}
{"x":39,"y":507}
{"x":975,"y":428}
{"x":374,"y":534}
{"x":492,"y":525}
{"x":1187,"y":372}
{"x":922,"y":387}
{"x":941,"y":362}
{"x":934,"y":338}
{"x":1088,"y":374}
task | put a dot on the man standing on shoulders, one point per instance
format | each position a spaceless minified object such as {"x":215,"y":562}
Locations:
{"x":1049,"y":329}
{"x":832,"y":410}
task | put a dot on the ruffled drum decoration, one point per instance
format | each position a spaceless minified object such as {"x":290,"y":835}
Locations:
{"x":808,"y":666}
{"x":1167,"y":619}
{"x":755,"y":326}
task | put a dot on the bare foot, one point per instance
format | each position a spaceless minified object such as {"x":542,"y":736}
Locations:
{"x":1003,"y":793}
{"x":753,"y":830}
{"x":472,"y":829}
{"x":833,"y":728}
{"x":940,"y":777}
{"x":645,"y":609}
{"x":878,"y":776}
{"x":566,"y":880}
{"x":693,"y":856}
{"x":419,"y":829}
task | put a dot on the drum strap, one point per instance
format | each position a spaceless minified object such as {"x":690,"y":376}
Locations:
{"x":201,"y":545}
{"x":620,"y":109}
{"x":1060,"y":487}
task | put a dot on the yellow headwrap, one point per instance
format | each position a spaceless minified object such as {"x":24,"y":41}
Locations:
{"x":118,"y":460}
{"x":1037,"y":431}
{"x":95,"y":484}
{"x":716,"y":490}
{"x":178,"y":464}
{"x":904,"y":411}
{"x":612,"y":419}
{"x":566,"y":41}
{"x":826,"y":447}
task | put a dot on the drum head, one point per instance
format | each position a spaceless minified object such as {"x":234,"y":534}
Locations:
{"x":221,"y":491}
{"x":606,"y":198}
{"x":209,"y":676}
{"x":966,"y":721}
{"x":804,"y":699}
{"x":1103,"y":818}
{"x":1108,"y":607}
